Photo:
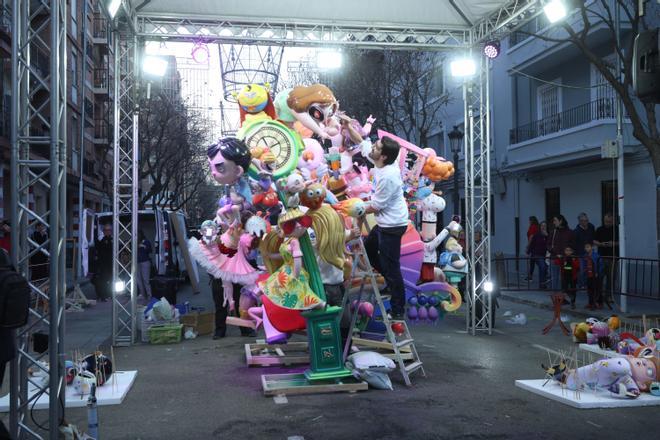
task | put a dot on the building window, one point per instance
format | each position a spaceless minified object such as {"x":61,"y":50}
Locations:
{"x":602,"y":92}
{"x":438,"y":81}
{"x":552,"y":205}
{"x":74,"y":18}
{"x":608,"y":199}
{"x":74,"y":78}
{"x":548,"y":98}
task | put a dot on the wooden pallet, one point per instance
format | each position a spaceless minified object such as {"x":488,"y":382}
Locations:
{"x":261,"y":354}
{"x":296,"y":383}
{"x":383,"y":347}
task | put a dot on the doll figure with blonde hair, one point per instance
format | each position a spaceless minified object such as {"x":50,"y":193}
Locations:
{"x":288,"y":286}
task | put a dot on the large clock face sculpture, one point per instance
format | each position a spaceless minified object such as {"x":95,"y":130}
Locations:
{"x":284,"y":143}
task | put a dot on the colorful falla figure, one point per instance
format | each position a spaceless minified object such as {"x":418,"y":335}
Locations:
{"x":289,"y":286}
{"x":430,"y":206}
{"x":229,"y":160}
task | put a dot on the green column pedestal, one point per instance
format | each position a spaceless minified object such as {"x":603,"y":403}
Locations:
{"x":325,"y":348}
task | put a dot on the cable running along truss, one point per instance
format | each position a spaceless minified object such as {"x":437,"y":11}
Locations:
{"x":38,"y":166}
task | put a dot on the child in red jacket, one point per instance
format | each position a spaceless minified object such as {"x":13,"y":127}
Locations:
{"x":570,"y":268}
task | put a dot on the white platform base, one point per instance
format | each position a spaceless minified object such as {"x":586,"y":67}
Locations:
{"x":587,"y":399}
{"x":597,"y":350}
{"x":108,"y":394}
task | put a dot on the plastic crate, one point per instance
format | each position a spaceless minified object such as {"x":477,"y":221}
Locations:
{"x":146,"y":324}
{"x":165,"y":334}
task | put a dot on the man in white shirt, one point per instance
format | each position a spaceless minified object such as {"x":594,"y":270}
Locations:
{"x":391,"y":211}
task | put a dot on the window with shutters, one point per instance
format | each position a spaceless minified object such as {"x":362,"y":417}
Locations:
{"x":549,"y":107}
{"x":602,"y":92}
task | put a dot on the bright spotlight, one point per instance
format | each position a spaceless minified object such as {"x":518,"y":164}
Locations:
{"x":463,"y":67}
{"x":328,"y":59}
{"x":156,"y":66}
{"x":200,"y":53}
{"x":113,"y":7}
{"x":119,"y":286}
{"x":555,"y":10}
{"x":492,"y":49}
{"x":488,"y":286}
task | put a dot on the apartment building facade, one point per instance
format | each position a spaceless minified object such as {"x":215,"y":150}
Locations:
{"x":551,"y":114}
{"x":89,"y":93}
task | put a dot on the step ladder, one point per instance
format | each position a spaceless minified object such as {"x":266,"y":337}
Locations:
{"x":402,"y":349}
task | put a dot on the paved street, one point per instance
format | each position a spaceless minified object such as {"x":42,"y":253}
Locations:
{"x":202,"y":389}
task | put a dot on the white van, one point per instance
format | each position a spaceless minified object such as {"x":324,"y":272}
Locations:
{"x":166,"y":230}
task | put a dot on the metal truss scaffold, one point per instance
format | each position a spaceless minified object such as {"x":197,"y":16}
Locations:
{"x":477,"y":198}
{"x":38,"y":165}
{"x":125,"y":190}
{"x":510,"y":16}
{"x":257,"y":30}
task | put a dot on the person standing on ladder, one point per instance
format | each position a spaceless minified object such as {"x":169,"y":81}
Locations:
{"x":383,"y":244}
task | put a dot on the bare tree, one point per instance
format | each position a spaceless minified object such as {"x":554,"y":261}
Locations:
{"x":173,"y":143}
{"x":601,"y":12}
{"x":402,"y":89}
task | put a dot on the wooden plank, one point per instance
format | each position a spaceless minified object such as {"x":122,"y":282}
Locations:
{"x":385,"y":345}
{"x":276,"y":354}
{"x":296,"y":383}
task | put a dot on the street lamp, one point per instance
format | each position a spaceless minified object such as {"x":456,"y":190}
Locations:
{"x":456,"y":143}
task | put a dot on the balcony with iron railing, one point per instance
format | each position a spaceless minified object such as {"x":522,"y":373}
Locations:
{"x":592,"y":111}
{"x":99,"y":29}
{"x":5,"y":127}
{"x":565,"y":138}
{"x":101,"y":80}
{"x":101,"y":131}
{"x":5,"y":31}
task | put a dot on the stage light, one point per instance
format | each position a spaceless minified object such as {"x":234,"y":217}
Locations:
{"x":119,"y":286}
{"x":492,"y":49}
{"x":113,"y":7}
{"x":156,"y":66}
{"x":200,"y":53}
{"x":463,"y":67}
{"x":488,"y":286}
{"x":328,"y":59}
{"x":555,"y":10}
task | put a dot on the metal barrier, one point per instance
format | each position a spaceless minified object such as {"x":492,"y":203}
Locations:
{"x":643,"y":275}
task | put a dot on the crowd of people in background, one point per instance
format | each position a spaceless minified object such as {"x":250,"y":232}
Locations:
{"x":581,"y":258}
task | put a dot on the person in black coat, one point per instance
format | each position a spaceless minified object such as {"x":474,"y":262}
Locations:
{"x":103,"y":264}
{"x":7,"y":342}
{"x":39,"y":261}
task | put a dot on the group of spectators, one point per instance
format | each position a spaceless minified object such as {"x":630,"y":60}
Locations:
{"x":579,"y":258}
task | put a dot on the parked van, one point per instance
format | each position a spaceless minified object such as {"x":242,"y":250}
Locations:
{"x":166,"y":230}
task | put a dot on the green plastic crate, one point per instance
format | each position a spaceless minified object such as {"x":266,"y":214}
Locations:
{"x":165,"y":334}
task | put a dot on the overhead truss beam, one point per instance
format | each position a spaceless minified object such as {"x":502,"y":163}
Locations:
{"x":301,"y":34}
{"x":502,"y":21}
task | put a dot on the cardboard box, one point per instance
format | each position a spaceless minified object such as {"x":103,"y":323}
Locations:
{"x":203,"y":323}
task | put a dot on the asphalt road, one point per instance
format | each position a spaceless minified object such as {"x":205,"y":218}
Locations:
{"x":202,"y":389}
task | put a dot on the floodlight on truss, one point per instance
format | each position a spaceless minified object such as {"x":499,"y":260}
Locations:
{"x":120,"y":286}
{"x":154,"y":65}
{"x":555,"y":10}
{"x":113,"y":7}
{"x":329,"y":59}
{"x":488,"y":286}
{"x":463,"y":67}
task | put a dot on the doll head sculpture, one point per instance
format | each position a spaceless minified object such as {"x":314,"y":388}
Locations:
{"x":229,"y":159}
{"x":430,"y":206}
{"x":209,"y":231}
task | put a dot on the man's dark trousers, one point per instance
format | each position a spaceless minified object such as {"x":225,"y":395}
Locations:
{"x":384,"y":251}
